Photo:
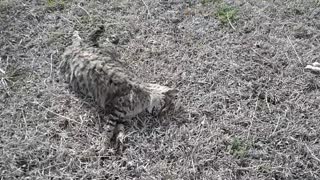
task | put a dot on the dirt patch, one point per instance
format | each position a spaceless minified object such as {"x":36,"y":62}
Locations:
{"x":251,"y":110}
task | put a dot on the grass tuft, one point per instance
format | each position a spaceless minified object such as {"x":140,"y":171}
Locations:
{"x":55,"y":5}
{"x":226,"y":13}
{"x":238,"y":148}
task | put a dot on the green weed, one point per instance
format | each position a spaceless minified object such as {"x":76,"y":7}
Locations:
{"x":226,"y":13}
{"x":56,"y":4}
{"x":238,"y":148}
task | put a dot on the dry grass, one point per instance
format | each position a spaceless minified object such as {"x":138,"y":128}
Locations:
{"x":251,"y":110}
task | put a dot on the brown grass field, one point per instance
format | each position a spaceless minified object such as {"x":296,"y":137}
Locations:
{"x":251,"y":110}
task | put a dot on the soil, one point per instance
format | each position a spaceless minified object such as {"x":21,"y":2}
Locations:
{"x":251,"y":110}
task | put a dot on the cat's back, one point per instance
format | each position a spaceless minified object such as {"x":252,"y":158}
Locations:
{"x":97,"y":73}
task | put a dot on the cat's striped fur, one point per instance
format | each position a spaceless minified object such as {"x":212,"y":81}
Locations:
{"x":96,"y":72}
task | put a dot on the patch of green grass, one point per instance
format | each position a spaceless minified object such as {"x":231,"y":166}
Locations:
{"x":56,"y":4}
{"x":226,"y":13}
{"x":238,"y":148}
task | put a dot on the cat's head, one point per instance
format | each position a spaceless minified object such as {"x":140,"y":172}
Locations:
{"x":162,"y":99}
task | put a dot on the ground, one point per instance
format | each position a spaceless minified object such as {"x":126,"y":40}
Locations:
{"x":251,"y":110}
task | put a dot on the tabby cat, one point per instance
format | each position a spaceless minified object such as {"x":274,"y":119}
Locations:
{"x":96,"y":72}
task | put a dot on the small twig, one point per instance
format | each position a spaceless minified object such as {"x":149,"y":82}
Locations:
{"x":2,"y":71}
{"x":230,"y":22}
{"x":294,"y":49}
{"x":312,"y":154}
{"x":56,"y":113}
{"x":68,"y":20}
{"x":266,"y":100}
{"x":148,"y":11}
{"x":275,"y":128}
{"x":5,"y":85}
{"x":313,"y":68}
{"x":85,"y":11}
{"x":251,"y":119}
{"x":51,"y":66}
{"x":25,"y":123}
{"x":53,"y":165}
